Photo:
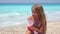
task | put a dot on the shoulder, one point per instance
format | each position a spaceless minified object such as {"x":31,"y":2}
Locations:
{"x":30,"y":18}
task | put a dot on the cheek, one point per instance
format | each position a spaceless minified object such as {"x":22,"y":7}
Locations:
{"x":34,"y":14}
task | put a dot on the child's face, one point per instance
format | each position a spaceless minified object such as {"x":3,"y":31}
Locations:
{"x":34,"y":13}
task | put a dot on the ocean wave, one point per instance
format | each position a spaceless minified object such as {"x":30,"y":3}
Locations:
{"x":12,"y":19}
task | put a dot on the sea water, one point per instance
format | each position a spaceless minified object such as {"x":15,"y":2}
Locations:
{"x":17,"y":14}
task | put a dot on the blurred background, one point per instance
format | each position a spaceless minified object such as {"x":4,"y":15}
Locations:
{"x":16,"y":12}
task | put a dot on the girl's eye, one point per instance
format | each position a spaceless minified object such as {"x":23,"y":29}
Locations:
{"x":33,"y":11}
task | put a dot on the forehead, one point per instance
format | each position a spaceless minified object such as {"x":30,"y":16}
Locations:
{"x":33,"y":8}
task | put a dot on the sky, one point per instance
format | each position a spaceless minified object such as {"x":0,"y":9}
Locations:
{"x":29,"y":1}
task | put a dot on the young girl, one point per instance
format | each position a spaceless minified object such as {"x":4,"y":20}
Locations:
{"x":37,"y":22}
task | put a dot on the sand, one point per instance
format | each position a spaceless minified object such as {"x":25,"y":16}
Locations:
{"x":52,"y":28}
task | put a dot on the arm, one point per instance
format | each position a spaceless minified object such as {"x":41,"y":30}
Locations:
{"x":29,"y":25}
{"x":28,"y":31}
{"x":42,"y":28}
{"x":39,"y":30}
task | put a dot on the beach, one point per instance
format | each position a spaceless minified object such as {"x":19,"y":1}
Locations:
{"x":52,"y":28}
{"x":13,"y":18}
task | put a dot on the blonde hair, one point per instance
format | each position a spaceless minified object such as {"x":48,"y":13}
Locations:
{"x":41,"y":14}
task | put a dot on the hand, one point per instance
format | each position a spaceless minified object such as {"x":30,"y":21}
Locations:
{"x":32,"y":27}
